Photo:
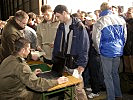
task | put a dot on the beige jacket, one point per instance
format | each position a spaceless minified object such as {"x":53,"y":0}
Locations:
{"x":46,"y":33}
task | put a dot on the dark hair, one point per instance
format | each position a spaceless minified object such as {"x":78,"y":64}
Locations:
{"x":44,"y":8}
{"x":21,"y":14}
{"x":60,"y":9}
{"x":32,"y":15}
{"x":75,"y":15}
{"x":19,"y":44}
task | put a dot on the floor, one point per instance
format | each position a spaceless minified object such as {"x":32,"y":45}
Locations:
{"x":126,"y":87}
{"x":126,"y":96}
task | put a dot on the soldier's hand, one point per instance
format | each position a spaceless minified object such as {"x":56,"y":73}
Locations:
{"x":35,"y":57}
{"x":37,"y":71}
{"x":62,"y":80}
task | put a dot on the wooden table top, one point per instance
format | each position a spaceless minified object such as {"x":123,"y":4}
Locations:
{"x":71,"y":81}
{"x":34,"y":62}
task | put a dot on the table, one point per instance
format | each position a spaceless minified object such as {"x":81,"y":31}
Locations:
{"x":68,"y":86}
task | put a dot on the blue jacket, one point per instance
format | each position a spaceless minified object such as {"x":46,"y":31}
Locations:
{"x":80,"y":42}
{"x":109,"y":34}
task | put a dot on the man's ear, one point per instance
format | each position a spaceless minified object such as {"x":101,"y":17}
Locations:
{"x":64,"y":13}
{"x":23,"y":50}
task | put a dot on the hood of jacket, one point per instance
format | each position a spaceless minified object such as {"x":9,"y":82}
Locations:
{"x":105,"y":12}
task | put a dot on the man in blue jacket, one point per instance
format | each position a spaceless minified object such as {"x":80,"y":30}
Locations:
{"x":109,"y":36}
{"x":71,"y":44}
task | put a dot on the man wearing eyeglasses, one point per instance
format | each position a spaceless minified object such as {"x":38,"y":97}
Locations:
{"x":11,"y":32}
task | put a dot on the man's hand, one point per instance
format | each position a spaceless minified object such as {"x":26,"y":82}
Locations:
{"x":37,"y":71}
{"x":62,"y":80}
{"x":80,"y":69}
{"x":34,"y":57}
{"x":51,"y":45}
{"x":39,"y":48}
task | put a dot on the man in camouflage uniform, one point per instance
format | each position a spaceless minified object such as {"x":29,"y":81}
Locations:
{"x":11,"y":32}
{"x":16,"y":76}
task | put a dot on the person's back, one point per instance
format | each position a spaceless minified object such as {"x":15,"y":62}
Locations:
{"x":109,"y":37}
{"x":30,"y":34}
{"x":11,"y":86}
{"x":16,"y":76}
{"x":112,"y":38}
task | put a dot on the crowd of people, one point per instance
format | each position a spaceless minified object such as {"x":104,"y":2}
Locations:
{"x":90,"y":42}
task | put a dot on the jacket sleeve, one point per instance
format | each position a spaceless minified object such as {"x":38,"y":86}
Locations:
{"x":29,"y":78}
{"x":125,"y":31}
{"x":83,"y":48}
{"x":39,"y":37}
{"x":10,"y":41}
{"x":96,"y":35}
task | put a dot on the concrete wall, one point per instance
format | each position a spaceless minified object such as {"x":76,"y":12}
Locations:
{"x":11,"y":6}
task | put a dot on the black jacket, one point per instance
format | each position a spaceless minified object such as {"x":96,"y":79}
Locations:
{"x":128,"y":49}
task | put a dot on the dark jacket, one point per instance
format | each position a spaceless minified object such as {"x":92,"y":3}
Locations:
{"x":80,"y":42}
{"x":128,"y":49}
